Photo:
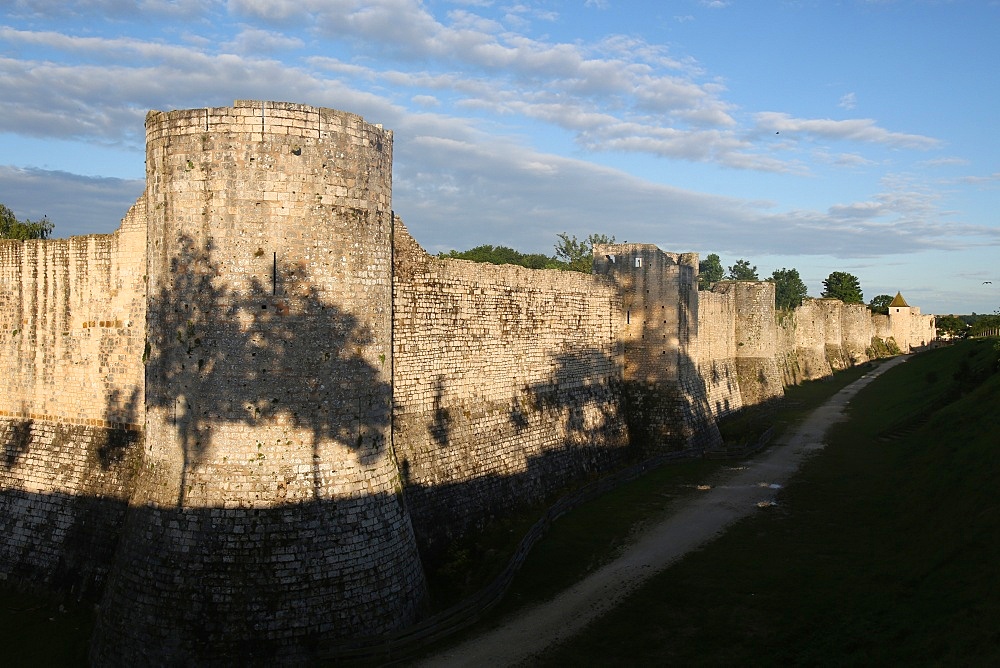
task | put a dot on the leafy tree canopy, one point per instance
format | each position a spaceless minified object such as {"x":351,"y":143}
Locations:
{"x":579,"y":255}
{"x":880,"y":304}
{"x":984,"y":324}
{"x":789,"y":290}
{"x":710,"y":271}
{"x":503,"y":255}
{"x":950,"y":325}
{"x":12,"y":228}
{"x":571,"y":254}
{"x":843,"y":286}
{"x":742,"y":271}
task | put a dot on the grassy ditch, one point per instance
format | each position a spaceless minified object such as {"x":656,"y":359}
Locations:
{"x":882,"y":550}
{"x":596,"y":532}
{"x":42,"y":631}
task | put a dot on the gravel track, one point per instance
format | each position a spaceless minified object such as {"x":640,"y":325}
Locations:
{"x":692,"y":524}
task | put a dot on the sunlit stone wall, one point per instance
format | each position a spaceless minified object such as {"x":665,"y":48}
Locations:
{"x":72,"y":327}
{"x":667,"y":399}
{"x":269,"y":515}
{"x":507,"y":385}
{"x":717,"y":351}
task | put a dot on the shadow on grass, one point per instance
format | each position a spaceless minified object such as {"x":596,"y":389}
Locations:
{"x":879,"y":553}
{"x":595,"y":533}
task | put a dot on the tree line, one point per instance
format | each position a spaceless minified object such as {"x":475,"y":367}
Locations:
{"x":789,"y":289}
{"x":572,"y":254}
{"x":12,"y":228}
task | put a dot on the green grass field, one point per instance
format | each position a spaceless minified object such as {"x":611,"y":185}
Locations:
{"x":882,"y":551}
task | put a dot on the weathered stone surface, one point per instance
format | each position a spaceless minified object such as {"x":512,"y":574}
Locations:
{"x":235,"y":419}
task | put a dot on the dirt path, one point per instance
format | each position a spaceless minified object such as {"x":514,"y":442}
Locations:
{"x":693,"y":524}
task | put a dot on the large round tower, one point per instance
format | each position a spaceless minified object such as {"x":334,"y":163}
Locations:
{"x":269,"y":519}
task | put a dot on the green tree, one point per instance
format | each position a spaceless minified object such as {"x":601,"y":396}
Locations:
{"x":880,"y":304}
{"x":12,"y":228}
{"x":843,"y":286}
{"x":503,"y":255}
{"x":742,"y":271}
{"x":985,"y":324}
{"x":950,"y":326}
{"x":789,"y":290}
{"x":710,"y":271}
{"x":579,"y":255}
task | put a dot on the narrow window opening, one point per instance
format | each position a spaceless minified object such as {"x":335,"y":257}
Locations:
{"x":638,"y":262}
{"x":274,"y":274}
{"x":628,"y":317}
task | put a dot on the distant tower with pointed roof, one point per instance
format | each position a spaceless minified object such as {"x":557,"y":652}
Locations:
{"x":909,"y":329}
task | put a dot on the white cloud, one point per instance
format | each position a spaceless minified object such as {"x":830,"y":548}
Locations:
{"x":426,"y":101}
{"x":848,"y":101}
{"x":252,"y":41}
{"x":109,"y":9}
{"x":861,"y":130}
{"x":952,"y":161}
{"x":989,"y":180}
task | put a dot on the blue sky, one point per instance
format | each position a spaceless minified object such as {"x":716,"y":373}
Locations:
{"x":855,"y":136}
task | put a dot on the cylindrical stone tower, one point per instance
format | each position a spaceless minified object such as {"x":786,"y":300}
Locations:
{"x":269,"y":521}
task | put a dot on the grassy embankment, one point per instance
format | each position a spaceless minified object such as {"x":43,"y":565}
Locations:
{"x":596,"y":532}
{"x":882,"y":551}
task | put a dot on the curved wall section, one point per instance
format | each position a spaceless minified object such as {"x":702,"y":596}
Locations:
{"x":269,"y":513}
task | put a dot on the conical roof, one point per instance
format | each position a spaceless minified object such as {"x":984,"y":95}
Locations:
{"x":898,"y":301}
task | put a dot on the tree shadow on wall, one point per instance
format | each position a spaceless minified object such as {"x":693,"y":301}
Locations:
{"x":17,"y":440}
{"x":440,"y":426}
{"x":120,"y":436}
{"x":277,"y":353}
{"x":564,"y":428}
{"x":584,"y":391}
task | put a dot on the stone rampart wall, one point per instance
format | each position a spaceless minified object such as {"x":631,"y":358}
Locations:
{"x":507,"y":385}
{"x":716,"y":351}
{"x":72,"y":330}
{"x":667,"y":401}
{"x":237,"y":416}
{"x":64,"y":491}
{"x":857,"y":331}
{"x":756,"y":341}
{"x":802,"y":343}
{"x":72,"y":326}
{"x":923,"y":328}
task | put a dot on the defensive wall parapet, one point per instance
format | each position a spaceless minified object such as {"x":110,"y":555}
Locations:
{"x":716,"y":351}
{"x":857,"y":332}
{"x":667,"y":399}
{"x":507,"y":385}
{"x":237,"y":419}
{"x":72,"y":328}
{"x":802,"y":337}
{"x":756,"y":340}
